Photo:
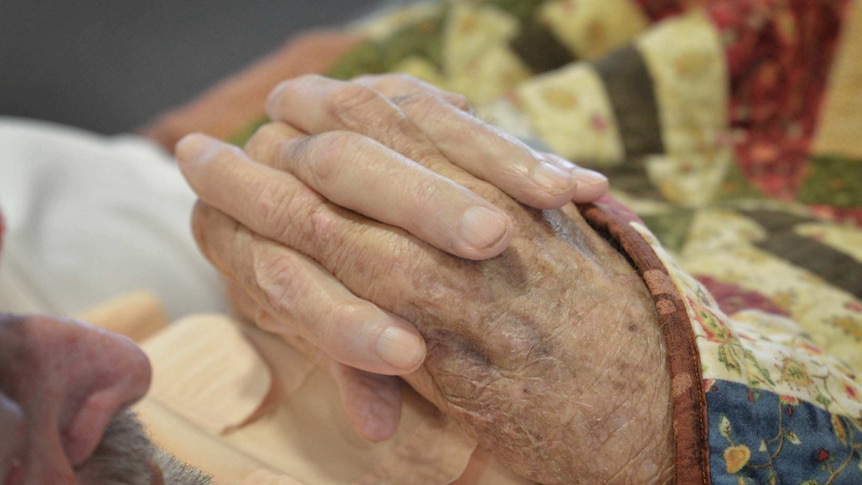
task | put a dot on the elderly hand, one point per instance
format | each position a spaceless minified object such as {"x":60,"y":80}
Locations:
{"x":549,"y":353}
{"x":372,"y":148}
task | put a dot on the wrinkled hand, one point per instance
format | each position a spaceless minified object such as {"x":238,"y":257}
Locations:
{"x":371,"y":146}
{"x":549,"y":353}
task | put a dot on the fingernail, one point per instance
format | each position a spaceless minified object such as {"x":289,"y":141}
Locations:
{"x":400,"y":348}
{"x":481,"y":227}
{"x":591,"y":185}
{"x":590,"y":177}
{"x":554,"y":179}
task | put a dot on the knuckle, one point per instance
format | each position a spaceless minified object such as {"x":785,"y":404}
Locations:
{"x":279,"y":281}
{"x":329,"y":242}
{"x":270,"y":207}
{"x":426,"y":111}
{"x":276,"y":207}
{"x":324,"y":226}
{"x":423,"y":107}
{"x":264,"y":144}
{"x":459,"y":101}
{"x":321,"y":157}
{"x":353,"y":105}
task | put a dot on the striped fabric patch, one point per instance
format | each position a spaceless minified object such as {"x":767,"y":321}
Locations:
{"x":539,"y":48}
{"x":632,"y":95}
{"x":835,"y":267}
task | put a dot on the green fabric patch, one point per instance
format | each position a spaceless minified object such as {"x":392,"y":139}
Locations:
{"x":422,"y":39}
{"x":520,"y":9}
{"x":419,"y":39}
{"x":671,"y":228}
{"x":835,"y":181}
{"x":736,"y":186}
{"x":241,"y":137}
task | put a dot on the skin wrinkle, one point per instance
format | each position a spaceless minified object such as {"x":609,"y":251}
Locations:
{"x":280,"y":284}
{"x":272,"y":202}
{"x":358,"y":259}
{"x":404,"y":87}
{"x":519,"y":427}
{"x":396,"y":130}
{"x":427,"y":108}
{"x":354,"y":106}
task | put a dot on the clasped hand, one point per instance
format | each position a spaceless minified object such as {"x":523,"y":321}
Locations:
{"x":364,"y":225}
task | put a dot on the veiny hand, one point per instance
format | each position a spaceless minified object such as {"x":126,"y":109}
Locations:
{"x":370,"y":146}
{"x":550,"y":353}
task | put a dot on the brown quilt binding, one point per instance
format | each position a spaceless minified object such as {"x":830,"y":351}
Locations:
{"x":690,"y":426}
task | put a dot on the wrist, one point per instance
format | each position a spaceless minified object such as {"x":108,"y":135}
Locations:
{"x":632,"y":402}
{"x":627,"y":408}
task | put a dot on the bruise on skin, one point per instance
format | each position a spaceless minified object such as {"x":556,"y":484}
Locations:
{"x":543,"y":353}
{"x":495,"y":397}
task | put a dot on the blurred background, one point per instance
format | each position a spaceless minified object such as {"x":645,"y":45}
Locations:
{"x":112,"y":65}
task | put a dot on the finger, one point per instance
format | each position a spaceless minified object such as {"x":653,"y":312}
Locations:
{"x":400,"y":88}
{"x":362,"y":175}
{"x":314,"y":104}
{"x":592,"y":185}
{"x":372,"y":402}
{"x":304,"y":298}
{"x":398,"y":85}
{"x":536,"y":179}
